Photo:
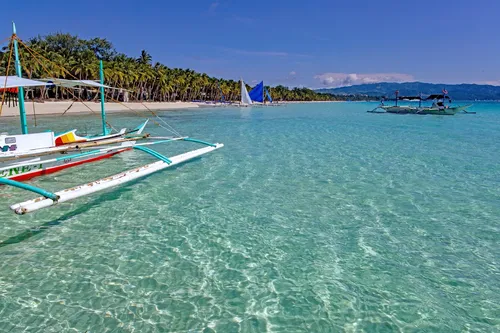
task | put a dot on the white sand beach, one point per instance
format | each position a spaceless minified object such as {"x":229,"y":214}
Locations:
{"x":51,"y":108}
{"x":70,"y":107}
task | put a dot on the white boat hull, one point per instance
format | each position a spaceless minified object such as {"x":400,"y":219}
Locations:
{"x":108,"y":182}
{"x":28,"y":169}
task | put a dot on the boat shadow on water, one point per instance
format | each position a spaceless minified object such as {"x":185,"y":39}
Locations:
{"x":104,"y":197}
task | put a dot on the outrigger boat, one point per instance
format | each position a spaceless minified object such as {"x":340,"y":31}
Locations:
{"x":26,"y":155}
{"x":438,"y":107}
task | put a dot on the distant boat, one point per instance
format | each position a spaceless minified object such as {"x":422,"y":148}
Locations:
{"x":245,"y":98}
{"x":438,"y":107}
{"x":259,"y":93}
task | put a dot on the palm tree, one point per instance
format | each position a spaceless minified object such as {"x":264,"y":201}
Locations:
{"x":145,"y":58}
{"x":66,"y":56}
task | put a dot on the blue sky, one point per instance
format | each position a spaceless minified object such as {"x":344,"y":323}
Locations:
{"x":314,"y":43}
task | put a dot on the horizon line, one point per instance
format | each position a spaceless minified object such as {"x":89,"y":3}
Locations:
{"x":422,"y":82}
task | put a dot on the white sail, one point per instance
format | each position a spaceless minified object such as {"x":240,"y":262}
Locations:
{"x":245,"y":98}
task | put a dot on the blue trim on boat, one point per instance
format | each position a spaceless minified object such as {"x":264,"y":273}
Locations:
{"x":139,"y":128}
{"x":31,"y":188}
{"x":200,"y":141}
{"x":92,"y":152}
{"x":162,"y":141}
{"x":105,"y":130}
{"x":154,"y":153}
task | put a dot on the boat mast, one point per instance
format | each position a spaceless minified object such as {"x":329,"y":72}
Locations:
{"x":20,"y":91}
{"x":103,"y":111}
{"x":222,"y":99}
{"x":264,"y":94}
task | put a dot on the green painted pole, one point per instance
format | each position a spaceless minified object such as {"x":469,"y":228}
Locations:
{"x":20,"y":92}
{"x":103,"y":111}
{"x":199,"y":141}
{"x":154,"y":153}
{"x":27,"y":187}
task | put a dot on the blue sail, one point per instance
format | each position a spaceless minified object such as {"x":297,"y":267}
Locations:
{"x":268,"y":95}
{"x":257,"y":93}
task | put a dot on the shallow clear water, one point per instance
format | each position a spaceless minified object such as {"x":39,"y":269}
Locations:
{"x":313,"y":217}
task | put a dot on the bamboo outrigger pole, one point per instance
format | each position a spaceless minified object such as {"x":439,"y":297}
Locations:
{"x":50,"y":199}
{"x":20,"y":91}
{"x":103,"y":111}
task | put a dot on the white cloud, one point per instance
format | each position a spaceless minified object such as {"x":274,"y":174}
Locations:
{"x":292,"y":73}
{"x":343,"y":79}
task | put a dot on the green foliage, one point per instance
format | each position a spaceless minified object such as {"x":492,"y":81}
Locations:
{"x":70,"y":57}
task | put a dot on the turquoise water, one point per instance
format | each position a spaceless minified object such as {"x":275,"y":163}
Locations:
{"x":313,"y":217}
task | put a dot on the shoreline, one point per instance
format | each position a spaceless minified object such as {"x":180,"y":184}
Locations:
{"x":70,"y":107}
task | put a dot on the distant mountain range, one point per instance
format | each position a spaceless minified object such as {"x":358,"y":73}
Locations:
{"x":456,"y":91}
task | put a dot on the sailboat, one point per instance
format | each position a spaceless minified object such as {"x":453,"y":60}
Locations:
{"x":27,"y":155}
{"x":439,"y":106}
{"x":245,"y":98}
{"x":259,"y":93}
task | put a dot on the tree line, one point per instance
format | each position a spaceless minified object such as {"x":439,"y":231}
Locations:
{"x":70,"y":57}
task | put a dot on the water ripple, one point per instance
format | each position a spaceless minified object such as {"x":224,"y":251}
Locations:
{"x":318,"y":218}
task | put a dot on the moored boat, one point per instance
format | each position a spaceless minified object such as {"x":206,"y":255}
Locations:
{"x":438,"y":107}
{"x":27,"y":155}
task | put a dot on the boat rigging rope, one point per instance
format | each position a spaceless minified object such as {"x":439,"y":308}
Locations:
{"x":163,"y":121}
{"x":5,"y":39}
{"x":167,"y":126}
{"x":33,"y":101}
{"x":6,"y":75}
{"x":31,"y":51}
{"x":69,"y":107}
